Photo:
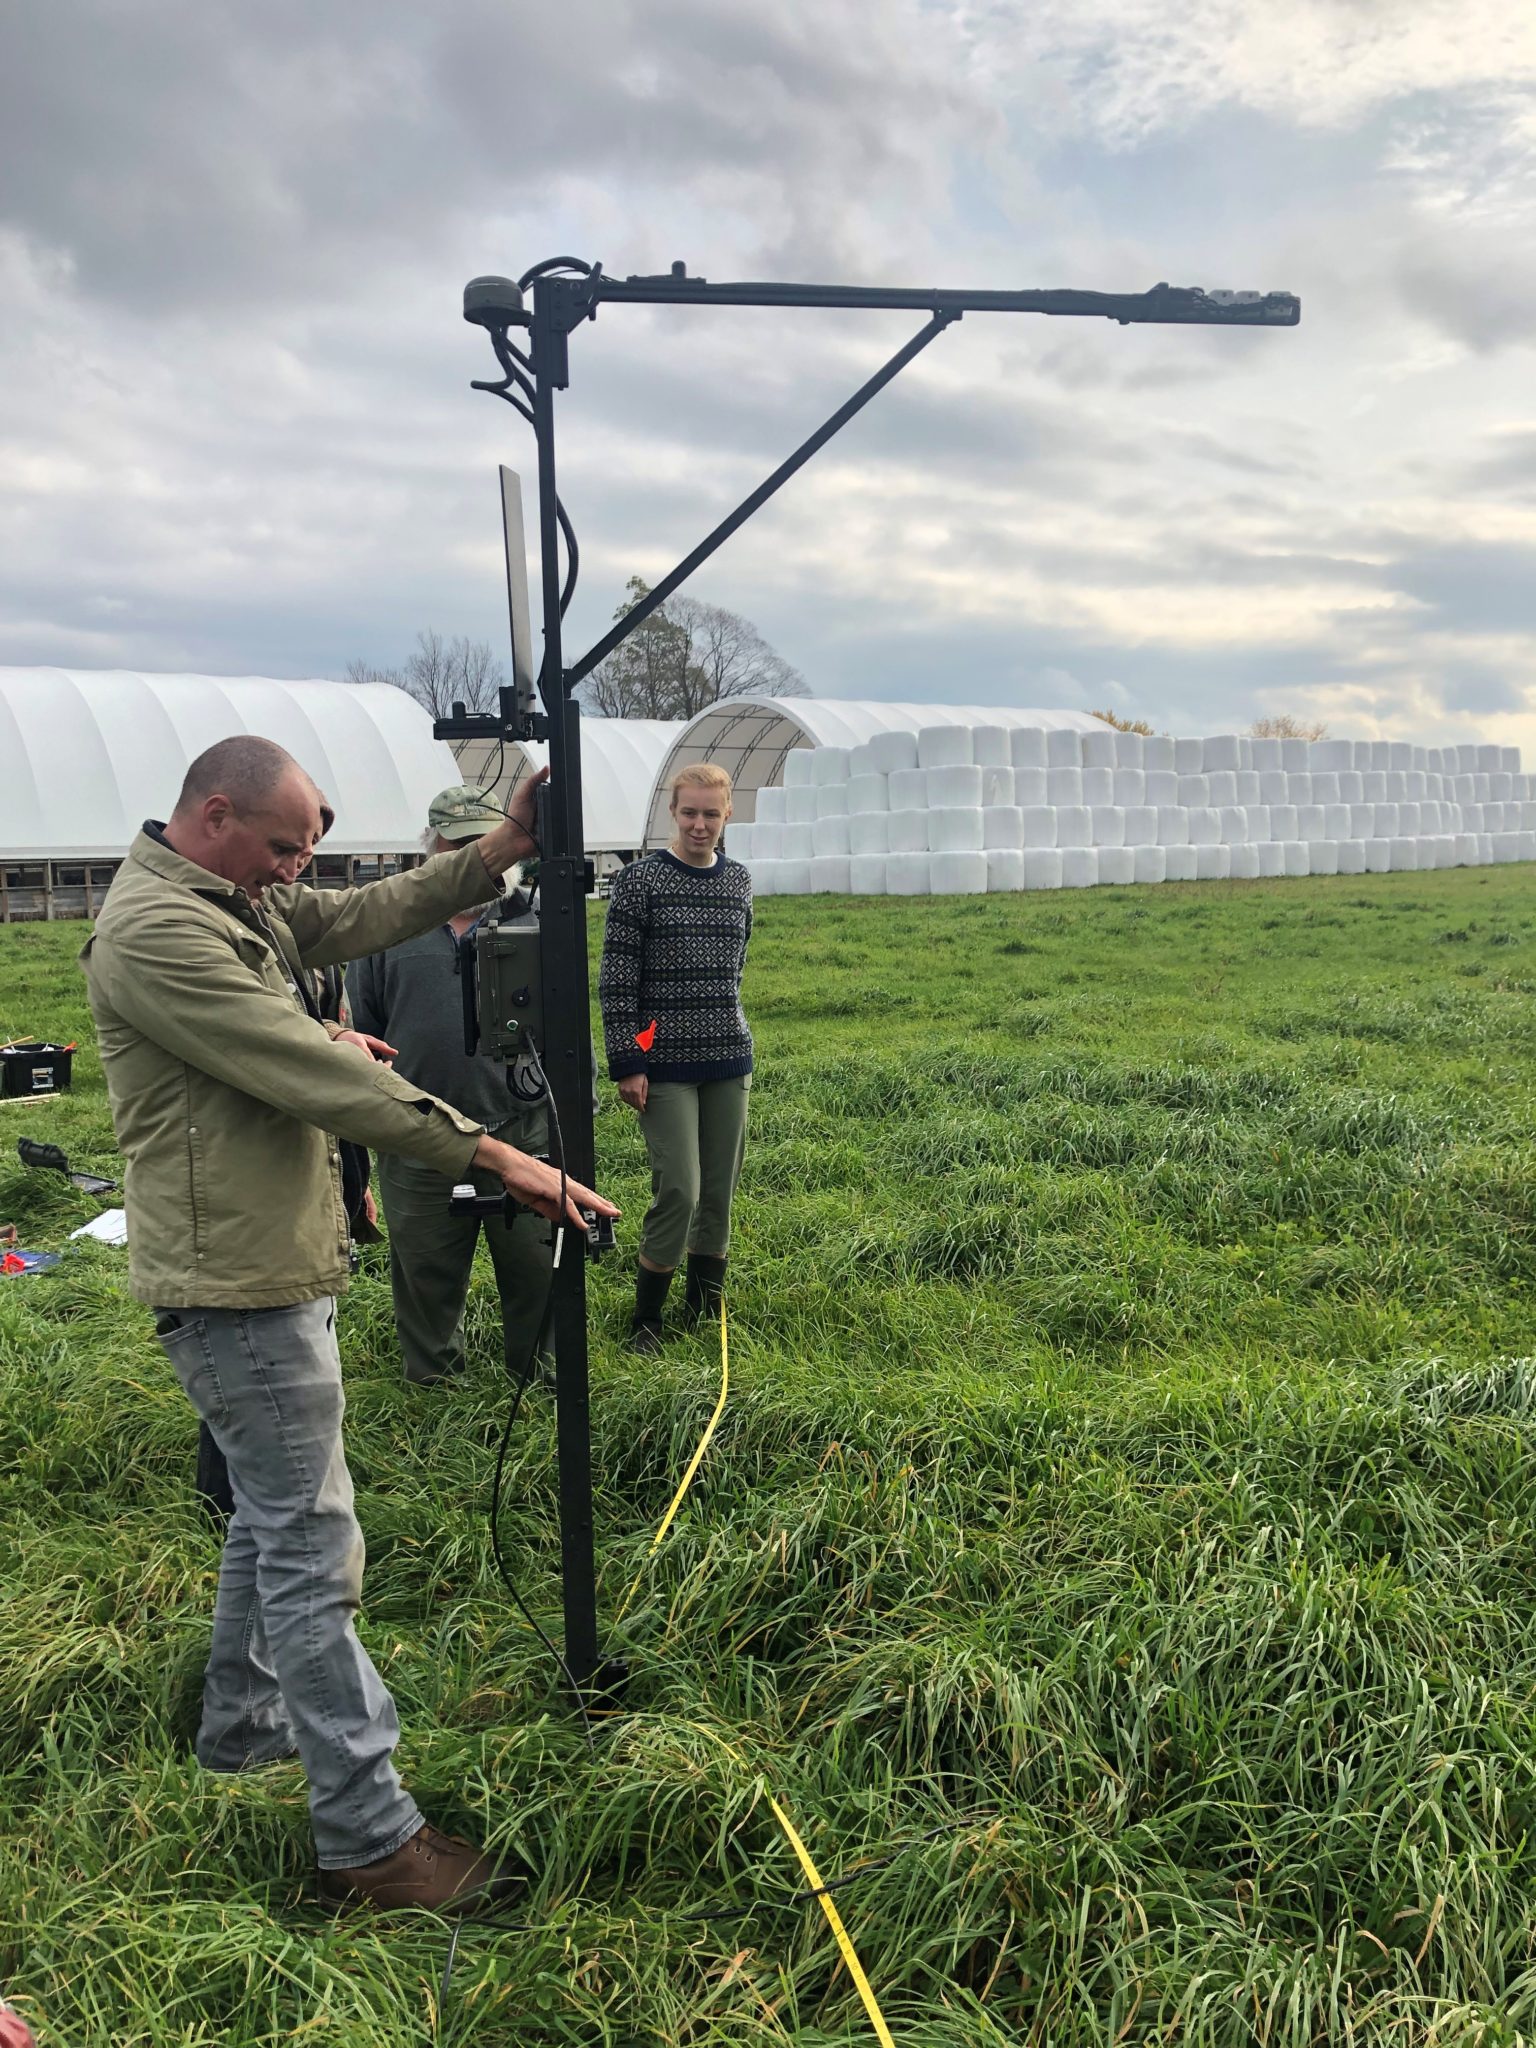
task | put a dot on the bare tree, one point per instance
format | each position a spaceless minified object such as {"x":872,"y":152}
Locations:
{"x":439,"y":673}
{"x":1124,"y":724}
{"x":1284,"y":727}
{"x":684,"y":656}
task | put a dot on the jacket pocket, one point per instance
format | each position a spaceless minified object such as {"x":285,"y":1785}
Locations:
{"x":197,"y":1185}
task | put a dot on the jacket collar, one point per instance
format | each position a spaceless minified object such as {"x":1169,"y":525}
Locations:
{"x":152,"y":850}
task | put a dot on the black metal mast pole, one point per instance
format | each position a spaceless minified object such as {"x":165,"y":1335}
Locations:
{"x":567,"y":1026}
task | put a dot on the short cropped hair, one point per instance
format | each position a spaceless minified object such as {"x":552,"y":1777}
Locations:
{"x":703,"y":774}
{"x":247,"y":769}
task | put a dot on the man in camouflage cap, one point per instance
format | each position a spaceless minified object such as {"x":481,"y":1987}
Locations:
{"x":412,"y":996}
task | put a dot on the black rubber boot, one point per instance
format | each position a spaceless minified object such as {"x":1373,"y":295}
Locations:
{"x":706,"y":1284}
{"x":645,"y":1330}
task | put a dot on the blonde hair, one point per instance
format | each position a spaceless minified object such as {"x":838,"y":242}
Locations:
{"x":703,"y":774}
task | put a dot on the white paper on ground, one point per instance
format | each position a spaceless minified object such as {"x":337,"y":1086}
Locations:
{"x":110,"y":1227}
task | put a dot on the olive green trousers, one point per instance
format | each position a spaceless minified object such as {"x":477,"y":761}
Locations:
{"x":696,"y":1135}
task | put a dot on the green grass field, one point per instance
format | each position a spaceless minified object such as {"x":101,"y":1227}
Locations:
{"x":1130,"y":1443}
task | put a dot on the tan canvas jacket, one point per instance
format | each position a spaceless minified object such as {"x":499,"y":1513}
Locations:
{"x":227,"y":1097}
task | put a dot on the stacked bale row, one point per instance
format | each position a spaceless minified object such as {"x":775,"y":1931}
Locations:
{"x":963,"y":809}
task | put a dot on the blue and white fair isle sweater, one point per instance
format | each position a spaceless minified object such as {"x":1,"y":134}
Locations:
{"x":672,"y":957}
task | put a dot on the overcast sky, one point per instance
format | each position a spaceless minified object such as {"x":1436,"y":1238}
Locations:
{"x":236,"y":433}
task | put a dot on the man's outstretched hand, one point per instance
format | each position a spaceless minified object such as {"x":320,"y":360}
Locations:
{"x":513,"y":840}
{"x":537,"y":1186}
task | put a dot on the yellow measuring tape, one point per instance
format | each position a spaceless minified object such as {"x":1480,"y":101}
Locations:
{"x":823,"y":1897}
{"x":693,"y":1465}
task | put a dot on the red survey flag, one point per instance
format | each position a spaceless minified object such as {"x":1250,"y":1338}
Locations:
{"x":647,"y":1038}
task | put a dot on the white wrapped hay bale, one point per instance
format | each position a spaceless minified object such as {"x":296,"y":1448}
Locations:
{"x":866,"y":874}
{"x":1351,"y":786}
{"x":1325,"y":786}
{"x":957,"y":782}
{"x":1486,"y":763}
{"x":1442,"y":847}
{"x":1243,"y":863}
{"x":1141,"y":824}
{"x":1130,"y":785}
{"x":989,"y":746}
{"x":1386,"y":821}
{"x":1204,"y":826}
{"x":1161,"y":786}
{"x":770,"y":806}
{"x":794,"y":877}
{"x":1333,"y":754}
{"x":1098,"y":785}
{"x":831,"y":799}
{"x":1220,"y":751}
{"x":1298,"y":788}
{"x":1405,"y":855}
{"x":1117,"y":865}
{"x":1351,"y":856}
{"x":765,"y":877}
{"x":767,"y":842}
{"x":1271,"y":855}
{"x":1414,"y":783}
{"x":957,"y":874}
{"x":1188,"y":756}
{"x":1129,"y":749}
{"x":1466,"y":758}
{"x":1274,"y":785}
{"x":1500,"y":786}
{"x":1408,"y":819}
{"x":997,"y":785}
{"x":739,"y":842}
{"x":1400,"y":756}
{"x":1296,"y":756}
{"x":1063,"y":750}
{"x":1282,"y":823}
{"x":1380,"y":755}
{"x":1107,"y":825}
{"x":1509,"y":758}
{"x":1232,"y":825}
{"x":1079,"y":867}
{"x":1397,"y":785}
{"x":1064,"y":785}
{"x":868,"y":793}
{"x":1362,"y":821}
{"x":889,"y":751}
{"x":1298,"y":857}
{"x":1311,"y":822}
{"x":1374,"y":784}
{"x":906,"y":789}
{"x":954,"y":829}
{"x":1180,"y":863}
{"x":1335,"y":821}
{"x":1472,"y":819}
{"x":1039,"y":822}
{"x":1074,"y":825}
{"x":861,"y":761}
{"x":1222,"y":785}
{"x":907,"y":832}
{"x":906,"y":874}
{"x":1378,"y":856}
{"x":1030,"y":786}
{"x":829,"y":874}
{"x":1484,"y":849}
{"x":1099,"y":749}
{"x":800,"y":804}
{"x":869,"y":833}
{"x":1506,"y":846}
{"x":1258,"y":823}
{"x":797,"y":842}
{"x":1323,"y":857}
{"x":830,"y":836}
{"x":1158,"y":755}
{"x":1151,"y":864}
{"x":1002,"y":827}
{"x":1213,"y":862}
{"x":1172,"y":826}
{"x":829,"y":765}
{"x":800,"y":768}
{"x":1005,"y":868}
{"x":1042,"y":867}
{"x":1248,"y":789}
{"x":1194,"y":791}
{"x":944,"y":746}
{"x":1026,"y":746}
{"x":1266,"y":755}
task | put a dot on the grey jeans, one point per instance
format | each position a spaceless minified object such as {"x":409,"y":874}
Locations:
{"x":286,"y":1670}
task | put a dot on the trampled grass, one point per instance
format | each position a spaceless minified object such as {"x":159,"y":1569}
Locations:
{"x":1128,"y":1472}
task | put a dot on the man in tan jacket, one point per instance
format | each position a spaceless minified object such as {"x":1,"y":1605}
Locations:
{"x":228,"y":1094}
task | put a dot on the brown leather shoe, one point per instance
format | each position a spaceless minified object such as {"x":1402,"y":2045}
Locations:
{"x":431,"y":1869}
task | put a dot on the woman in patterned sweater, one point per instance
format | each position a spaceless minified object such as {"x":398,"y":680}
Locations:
{"x":678,"y":1043}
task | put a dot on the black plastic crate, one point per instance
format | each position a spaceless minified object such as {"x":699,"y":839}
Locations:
{"x":30,"y":1068}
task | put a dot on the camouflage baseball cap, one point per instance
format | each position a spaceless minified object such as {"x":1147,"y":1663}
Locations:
{"x":462,"y":813}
